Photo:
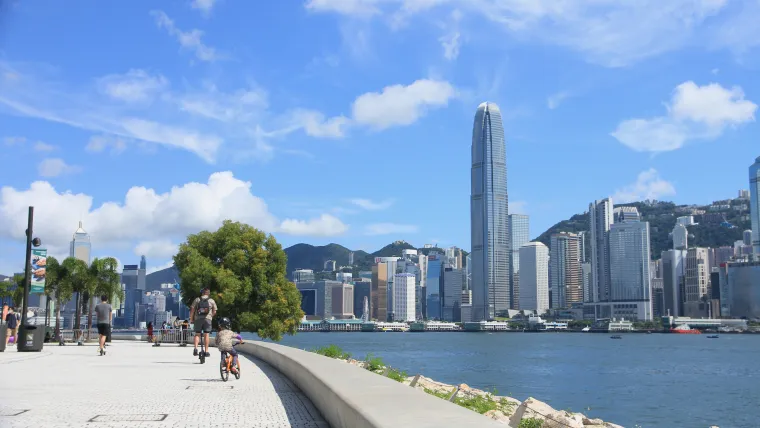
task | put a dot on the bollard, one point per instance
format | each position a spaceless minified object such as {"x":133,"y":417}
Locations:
{"x":413,"y":383}
{"x":453,"y":395}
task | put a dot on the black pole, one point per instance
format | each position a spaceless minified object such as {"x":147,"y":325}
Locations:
{"x":27,"y":266}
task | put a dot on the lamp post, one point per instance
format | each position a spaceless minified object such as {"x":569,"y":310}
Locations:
{"x":30,"y":241}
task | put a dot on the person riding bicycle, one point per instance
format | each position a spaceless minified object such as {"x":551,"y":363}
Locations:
{"x":202,"y":311}
{"x":224,"y":341}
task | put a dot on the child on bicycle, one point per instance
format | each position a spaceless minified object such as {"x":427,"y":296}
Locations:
{"x":224,"y":341}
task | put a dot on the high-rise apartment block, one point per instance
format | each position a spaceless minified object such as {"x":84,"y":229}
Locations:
{"x":489,"y":208}
{"x":534,"y":277}
{"x":404,"y":297}
{"x":600,"y":220}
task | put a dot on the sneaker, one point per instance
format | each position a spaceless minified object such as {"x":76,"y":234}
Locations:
{"x":195,"y":352}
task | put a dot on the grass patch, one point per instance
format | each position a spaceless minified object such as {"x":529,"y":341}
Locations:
{"x":332,"y":351}
{"x":397,"y":375}
{"x":531,"y":423}
{"x":373,"y":363}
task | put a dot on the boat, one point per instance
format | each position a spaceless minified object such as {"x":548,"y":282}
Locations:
{"x":586,"y":329}
{"x":685,"y":329}
{"x":712,"y":336}
{"x":649,"y":331}
{"x":616,"y":337}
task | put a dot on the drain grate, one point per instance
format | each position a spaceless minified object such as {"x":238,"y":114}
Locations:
{"x":158,"y":417}
{"x":12,"y":412}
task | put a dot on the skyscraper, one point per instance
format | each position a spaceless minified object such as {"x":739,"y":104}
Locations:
{"x":565,"y":270}
{"x":489,"y":208}
{"x":600,"y":219}
{"x":519,"y":235}
{"x":80,"y":245}
{"x":754,"y":206}
{"x":534,"y":277}
{"x":629,"y":262}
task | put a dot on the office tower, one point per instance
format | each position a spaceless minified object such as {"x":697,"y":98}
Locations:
{"x":680,"y":237}
{"x":421,"y":299}
{"x":489,"y":208}
{"x":303,"y":275}
{"x":404,"y":297}
{"x":673,"y":281}
{"x":362,"y":293}
{"x":747,"y":237}
{"x":453,"y":280}
{"x":534,"y":277}
{"x":142,"y":274}
{"x":129,"y":282}
{"x":390,"y":264}
{"x":622,"y":214}
{"x":754,"y":206}
{"x":342,"y":300}
{"x":600,"y":220}
{"x":696,"y":282}
{"x":468,"y":272}
{"x":629,"y":262}
{"x":80,"y":246}
{"x":433,"y":286}
{"x":379,"y":295}
{"x":565,"y":270}
{"x":519,"y":235}
{"x":739,"y":297}
{"x":582,"y":238}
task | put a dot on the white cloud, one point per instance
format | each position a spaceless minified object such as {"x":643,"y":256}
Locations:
{"x":133,"y":87}
{"x":450,"y":44}
{"x":316,"y":125}
{"x":518,"y":207}
{"x":240,"y":106}
{"x":159,"y":249}
{"x":146,"y":214}
{"x":390,"y":229}
{"x":99,"y":143}
{"x":190,"y":40}
{"x":609,"y":32}
{"x":370,"y":205}
{"x":556,"y":99}
{"x":39,"y":146}
{"x":694,"y":112}
{"x":400,"y":105}
{"x":53,"y":167}
{"x":204,"y":6}
{"x":648,"y":185}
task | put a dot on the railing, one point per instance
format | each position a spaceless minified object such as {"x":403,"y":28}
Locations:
{"x":180,"y":337}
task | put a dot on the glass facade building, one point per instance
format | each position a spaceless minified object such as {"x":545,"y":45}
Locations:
{"x":519,"y":235}
{"x":754,"y":206}
{"x":489,"y":208}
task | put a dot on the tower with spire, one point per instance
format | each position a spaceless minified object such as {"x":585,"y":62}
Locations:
{"x":80,"y":247}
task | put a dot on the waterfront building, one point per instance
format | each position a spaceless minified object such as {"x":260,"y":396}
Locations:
{"x":587,"y":281}
{"x":630,"y":280}
{"x":466,"y":311}
{"x":565,"y":270}
{"x":362,"y":290}
{"x":754,"y":206}
{"x":386,"y":269}
{"x":453,"y":280}
{"x":534,"y":277}
{"x":740,"y":290}
{"x":433,"y":286}
{"x":404,"y":297}
{"x":303,"y":275}
{"x":673,"y":281}
{"x":696,"y":280}
{"x":342,"y":300}
{"x":519,"y":235}
{"x":317,"y":299}
{"x":600,"y":220}
{"x":489,"y":208}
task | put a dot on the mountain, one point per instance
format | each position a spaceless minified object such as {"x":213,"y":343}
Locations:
{"x":661,"y":216}
{"x":154,"y":280}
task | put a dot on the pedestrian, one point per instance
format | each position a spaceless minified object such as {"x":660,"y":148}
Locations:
{"x":12,"y":325}
{"x":150,"y":332}
{"x":105,"y":316}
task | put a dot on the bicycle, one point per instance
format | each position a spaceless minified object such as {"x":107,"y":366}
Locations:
{"x":225,"y":366}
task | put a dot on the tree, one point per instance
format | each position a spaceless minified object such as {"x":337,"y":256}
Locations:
{"x":17,"y":293}
{"x":52,"y":282}
{"x":246,"y":272}
{"x":104,"y":280}
{"x":75,"y":276}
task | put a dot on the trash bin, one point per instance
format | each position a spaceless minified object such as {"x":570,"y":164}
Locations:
{"x":31,"y":338}
{"x":3,"y":333}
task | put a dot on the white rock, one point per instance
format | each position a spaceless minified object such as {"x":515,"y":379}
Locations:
{"x":592,"y":422}
{"x":531,"y":408}
{"x":498,"y":416}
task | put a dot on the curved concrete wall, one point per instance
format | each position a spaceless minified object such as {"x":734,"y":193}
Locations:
{"x":351,"y":397}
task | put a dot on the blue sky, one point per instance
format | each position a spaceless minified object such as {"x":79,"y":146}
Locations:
{"x":349,"y":121}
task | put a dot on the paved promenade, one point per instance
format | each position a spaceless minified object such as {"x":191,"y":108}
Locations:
{"x":136,"y":385}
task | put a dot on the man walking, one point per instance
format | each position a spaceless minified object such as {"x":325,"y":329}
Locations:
{"x":202,"y":311}
{"x":105,"y":315}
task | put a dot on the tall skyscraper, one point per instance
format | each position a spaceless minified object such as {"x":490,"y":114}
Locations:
{"x":519,"y":235}
{"x":534,"y":277}
{"x":754,"y":206}
{"x":80,"y":246}
{"x":404,"y":297}
{"x":629,"y":262}
{"x":565,"y":270}
{"x":600,"y":220}
{"x":489,"y":207}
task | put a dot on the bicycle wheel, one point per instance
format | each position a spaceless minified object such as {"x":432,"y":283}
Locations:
{"x":202,"y":357}
{"x":223,"y":371}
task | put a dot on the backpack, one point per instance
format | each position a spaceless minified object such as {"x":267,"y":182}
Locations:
{"x":203,"y":308}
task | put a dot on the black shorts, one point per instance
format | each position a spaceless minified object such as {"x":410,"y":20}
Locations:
{"x":202,"y":325}
{"x":104,"y":329}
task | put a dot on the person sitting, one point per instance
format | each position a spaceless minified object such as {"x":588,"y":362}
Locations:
{"x":224,"y":342}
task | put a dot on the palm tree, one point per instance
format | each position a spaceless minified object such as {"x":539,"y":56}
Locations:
{"x":75,"y":277}
{"x":56,"y":285}
{"x":104,"y":281}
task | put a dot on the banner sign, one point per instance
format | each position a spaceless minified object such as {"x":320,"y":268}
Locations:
{"x":39,"y":271}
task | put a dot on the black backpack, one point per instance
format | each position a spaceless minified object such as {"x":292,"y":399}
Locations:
{"x":203,"y":308}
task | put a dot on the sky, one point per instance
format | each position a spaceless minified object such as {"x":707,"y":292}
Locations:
{"x":350,"y":121}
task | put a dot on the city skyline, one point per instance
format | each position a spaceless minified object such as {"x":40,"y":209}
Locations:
{"x":228,"y":125}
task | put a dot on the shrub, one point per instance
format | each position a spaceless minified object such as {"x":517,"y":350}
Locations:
{"x":373,"y":363}
{"x":397,"y":375}
{"x":332,"y":351}
{"x":531,"y":423}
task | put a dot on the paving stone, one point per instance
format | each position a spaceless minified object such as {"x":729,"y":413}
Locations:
{"x":140,"y":386}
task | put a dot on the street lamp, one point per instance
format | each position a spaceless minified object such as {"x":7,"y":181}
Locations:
{"x":30,"y":242}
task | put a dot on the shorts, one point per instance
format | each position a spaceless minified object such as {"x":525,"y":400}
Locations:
{"x":104,"y":329}
{"x":202,"y":325}
{"x":232,"y":352}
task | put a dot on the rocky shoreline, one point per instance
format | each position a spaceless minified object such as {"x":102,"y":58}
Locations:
{"x":530,"y":413}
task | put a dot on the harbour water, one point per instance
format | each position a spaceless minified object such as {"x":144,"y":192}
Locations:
{"x":649,"y":380}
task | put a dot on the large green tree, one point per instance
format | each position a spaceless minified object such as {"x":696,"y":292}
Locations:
{"x":103,"y":280}
{"x":246,"y":272}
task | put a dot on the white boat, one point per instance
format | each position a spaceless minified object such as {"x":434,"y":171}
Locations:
{"x":586,"y":329}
